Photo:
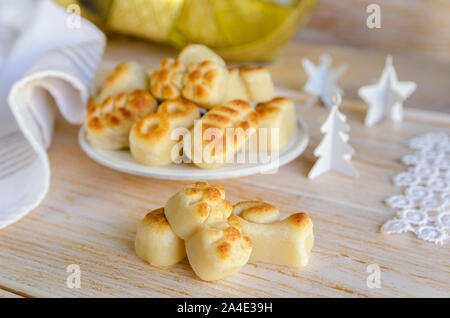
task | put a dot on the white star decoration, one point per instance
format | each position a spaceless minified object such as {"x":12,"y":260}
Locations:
{"x":322,"y":81}
{"x":386,"y":97}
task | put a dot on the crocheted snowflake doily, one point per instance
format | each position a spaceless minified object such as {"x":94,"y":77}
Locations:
{"x":424,"y":206}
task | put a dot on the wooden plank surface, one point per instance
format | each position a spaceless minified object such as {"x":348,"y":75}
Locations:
{"x":7,"y":294}
{"x":90,"y":215}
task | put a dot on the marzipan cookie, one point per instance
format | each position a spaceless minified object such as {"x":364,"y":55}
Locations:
{"x":156,"y":243}
{"x":196,"y":205}
{"x":125,"y":78}
{"x":287,"y":242}
{"x":215,"y":149}
{"x":236,"y":86}
{"x":197,"y":53}
{"x":206,"y":83}
{"x":217,"y":251}
{"x":151,"y":140}
{"x":258,"y":83}
{"x":108,"y":123}
{"x":278,"y":113}
{"x":219,"y":239}
{"x":167,"y":82}
{"x":198,"y":214}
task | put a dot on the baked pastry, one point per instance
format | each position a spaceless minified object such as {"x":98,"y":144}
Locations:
{"x":125,"y":78}
{"x":287,"y":242}
{"x":167,"y":81}
{"x":206,"y":83}
{"x":108,"y":123}
{"x":278,"y":113}
{"x":151,"y":141}
{"x":258,"y":82}
{"x":156,"y":243}
{"x":217,"y":251}
{"x":195,"y":206}
{"x":215,"y":149}
{"x":236,"y":86}
{"x":197,"y":53}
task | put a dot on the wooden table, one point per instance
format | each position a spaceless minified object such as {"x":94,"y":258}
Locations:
{"x":90,"y":216}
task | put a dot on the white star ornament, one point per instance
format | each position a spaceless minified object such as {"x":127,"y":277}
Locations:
{"x":386,"y":97}
{"x":322,"y":81}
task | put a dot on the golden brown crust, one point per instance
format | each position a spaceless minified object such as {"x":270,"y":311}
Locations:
{"x":152,"y":128}
{"x":196,"y":205}
{"x":108,"y":123}
{"x":239,"y":117}
{"x":205,"y":83}
{"x":158,"y":218}
{"x":167,"y":82}
{"x":224,"y":250}
{"x":125,"y":78}
{"x":272,"y":107}
{"x":155,"y":241}
{"x":150,"y":138}
{"x":256,"y":211}
{"x":197,"y":53}
{"x":179,"y":112}
{"x":299,"y":220}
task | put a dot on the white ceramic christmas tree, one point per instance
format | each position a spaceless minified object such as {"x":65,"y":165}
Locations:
{"x":386,"y":97}
{"x":333,"y":151}
{"x":322,"y":80}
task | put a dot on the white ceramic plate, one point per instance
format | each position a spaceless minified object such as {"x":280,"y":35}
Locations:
{"x":123,"y":161}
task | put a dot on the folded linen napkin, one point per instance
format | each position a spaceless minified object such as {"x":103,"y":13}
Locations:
{"x":47,"y":56}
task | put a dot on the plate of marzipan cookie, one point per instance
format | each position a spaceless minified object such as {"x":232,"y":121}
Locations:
{"x":191,"y":118}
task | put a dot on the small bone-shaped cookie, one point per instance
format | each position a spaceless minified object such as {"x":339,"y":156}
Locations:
{"x":156,"y":243}
{"x":287,"y":242}
{"x":196,"y":205}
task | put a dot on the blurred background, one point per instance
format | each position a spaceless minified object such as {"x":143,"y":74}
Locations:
{"x":281,"y":32}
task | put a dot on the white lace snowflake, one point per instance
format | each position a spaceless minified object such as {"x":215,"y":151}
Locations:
{"x":424,"y":206}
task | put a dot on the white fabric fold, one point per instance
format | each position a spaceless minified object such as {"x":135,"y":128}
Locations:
{"x":51,"y":61}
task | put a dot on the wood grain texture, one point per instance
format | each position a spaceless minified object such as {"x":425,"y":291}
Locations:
{"x":91,"y":213}
{"x":7,"y":294}
{"x":419,"y":26}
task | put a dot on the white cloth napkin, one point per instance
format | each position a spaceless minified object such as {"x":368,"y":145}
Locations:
{"x":47,"y":57}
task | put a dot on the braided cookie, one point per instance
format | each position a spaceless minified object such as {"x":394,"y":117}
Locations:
{"x":108,"y":123}
{"x":278,"y":113}
{"x":214,"y":146}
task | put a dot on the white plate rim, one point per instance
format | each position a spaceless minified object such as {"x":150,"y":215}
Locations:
{"x":202,"y":174}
